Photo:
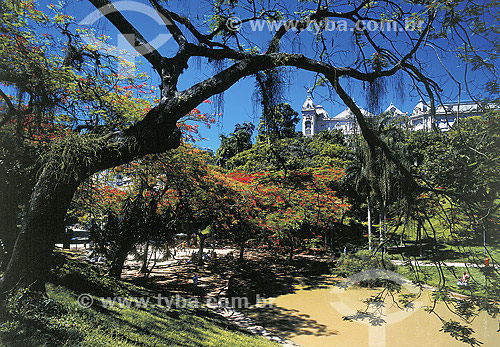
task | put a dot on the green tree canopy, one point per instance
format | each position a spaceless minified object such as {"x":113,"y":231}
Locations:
{"x":278,"y":123}
{"x":238,"y":141}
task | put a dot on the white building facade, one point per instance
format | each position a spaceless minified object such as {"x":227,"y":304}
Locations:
{"x":316,"y":119}
{"x":446,"y":115}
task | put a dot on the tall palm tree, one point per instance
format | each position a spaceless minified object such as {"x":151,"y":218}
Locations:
{"x":357,"y":175}
{"x":373,"y":175}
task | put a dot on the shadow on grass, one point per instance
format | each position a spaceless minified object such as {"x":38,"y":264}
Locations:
{"x":288,"y":322}
{"x":273,"y":276}
{"x":266,"y":275}
{"x":156,"y":321}
{"x":429,"y":250}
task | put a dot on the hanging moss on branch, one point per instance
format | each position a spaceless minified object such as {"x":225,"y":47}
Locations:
{"x":269,"y":93}
{"x":70,"y":157}
{"x":377,"y":89}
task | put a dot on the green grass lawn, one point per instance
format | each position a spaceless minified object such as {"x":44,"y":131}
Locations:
{"x":431,"y":276}
{"x":466,"y":248}
{"x":456,"y":254}
{"x":458,"y":244}
{"x":61,"y":321}
{"x":451,"y":254}
{"x":471,"y":254}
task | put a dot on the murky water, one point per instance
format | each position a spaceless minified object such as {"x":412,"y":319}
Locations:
{"x":315,"y":318}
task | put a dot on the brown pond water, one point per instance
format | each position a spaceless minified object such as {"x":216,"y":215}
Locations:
{"x":314,"y":317}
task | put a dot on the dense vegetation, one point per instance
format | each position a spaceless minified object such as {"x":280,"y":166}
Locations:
{"x":58,"y":320}
{"x":84,"y":142}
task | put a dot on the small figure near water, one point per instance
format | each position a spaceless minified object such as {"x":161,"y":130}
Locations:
{"x":464,"y":280}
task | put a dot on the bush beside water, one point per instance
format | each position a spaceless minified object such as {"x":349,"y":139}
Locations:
{"x":351,"y":264}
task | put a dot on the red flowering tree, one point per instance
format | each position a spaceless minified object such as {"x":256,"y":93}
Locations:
{"x":293,"y":207}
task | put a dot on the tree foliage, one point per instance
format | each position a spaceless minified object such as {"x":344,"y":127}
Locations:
{"x":96,"y":123}
{"x":279,"y":123}
{"x":237,"y":142}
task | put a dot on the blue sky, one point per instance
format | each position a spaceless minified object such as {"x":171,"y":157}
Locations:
{"x":238,"y":105}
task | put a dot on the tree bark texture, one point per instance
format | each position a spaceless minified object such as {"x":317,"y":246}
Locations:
{"x":30,"y":262}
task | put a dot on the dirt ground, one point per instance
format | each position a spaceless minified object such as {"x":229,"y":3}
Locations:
{"x":266,"y":272}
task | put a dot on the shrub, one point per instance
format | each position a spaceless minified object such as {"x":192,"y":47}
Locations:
{"x":26,"y":305}
{"x":85,"y":278}
{"x":351,"y":264}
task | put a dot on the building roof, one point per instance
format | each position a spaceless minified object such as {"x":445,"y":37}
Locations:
{"x":308,"y":104}
{"x":347,"y":114}
{"x":419,"y":118}
{"x":394,"y":111}
{"x":344,"y":115}
{"x":464,"y":107}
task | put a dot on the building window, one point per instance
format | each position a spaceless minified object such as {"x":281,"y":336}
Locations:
{"x":308,"y":125}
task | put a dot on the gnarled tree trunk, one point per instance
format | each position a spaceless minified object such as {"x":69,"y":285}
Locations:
{"x":242,"y":250}
{"x":8,"y":227}
{"x":30,"y":262}
{"x":115,"y":270}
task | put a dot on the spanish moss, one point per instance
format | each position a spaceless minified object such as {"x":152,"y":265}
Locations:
{"x":375,"y":95}
{"x":218,"y":99}
{"x":268,"y":92}
{"x":397,"y":85}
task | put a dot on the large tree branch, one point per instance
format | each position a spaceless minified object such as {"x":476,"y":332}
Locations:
{"x":157,"y":132}
{"x":374,"y":141}
{"x":12,"y":109}
{"x":151,"y":134}
{"x":171,"y":26}
{"x":320,"y":14}
{"x":370,"y":137}
{"x":131,"y":34}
